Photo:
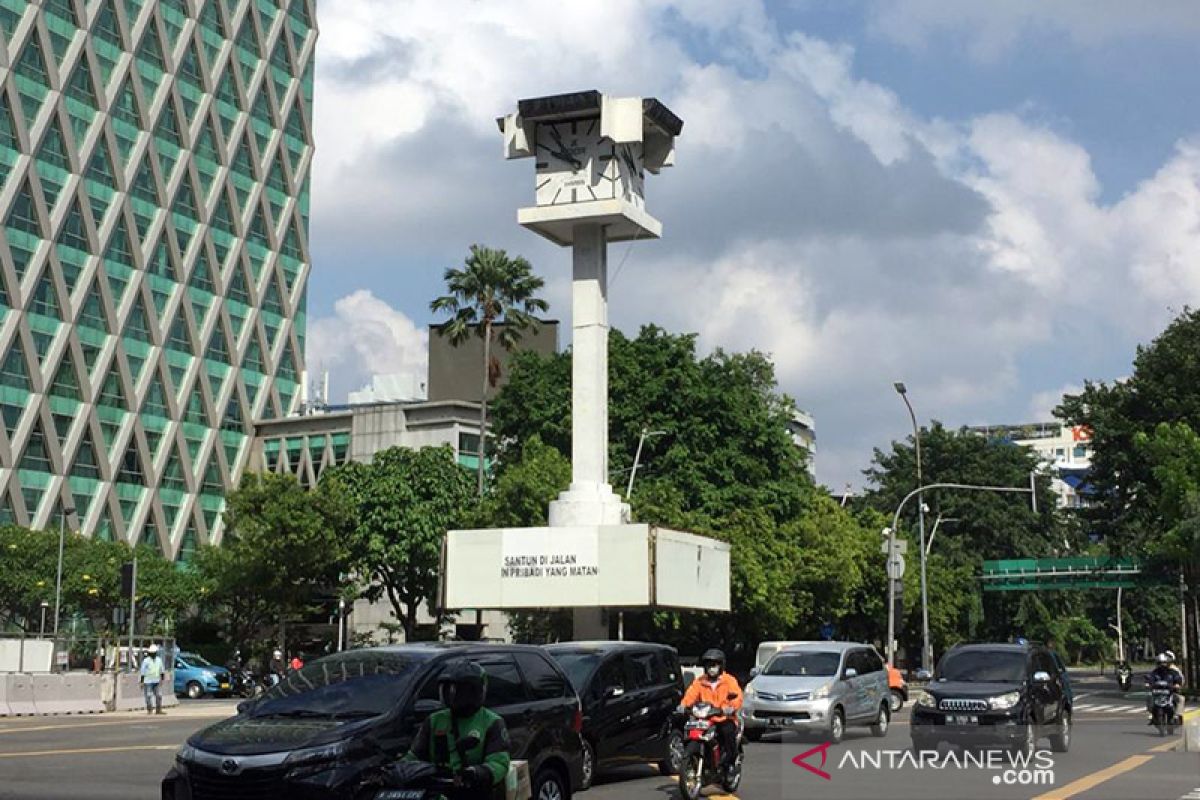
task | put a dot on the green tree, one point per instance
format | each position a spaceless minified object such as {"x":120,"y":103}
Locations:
{"x":490,"y":289}
{"x":727,"y":468}
{"x":404,"y":502}
{"x":284,"y":545}
{"x":986,"y":525}
{"x":1144,"y":473}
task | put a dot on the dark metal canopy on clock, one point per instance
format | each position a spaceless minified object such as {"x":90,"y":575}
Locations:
{"x":581,"y":105}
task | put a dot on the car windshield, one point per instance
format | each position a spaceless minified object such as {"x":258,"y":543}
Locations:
{"x":195,"y":660}
{"x":804,"y":664}
{"x":578,"y":664}
{"x":983,"y":666}
{"x":345,"y":686}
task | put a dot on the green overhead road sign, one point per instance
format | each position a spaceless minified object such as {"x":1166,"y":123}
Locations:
{"x":1029,"y":574}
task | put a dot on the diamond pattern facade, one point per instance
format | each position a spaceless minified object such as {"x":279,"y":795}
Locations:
{"x":154,"y":174}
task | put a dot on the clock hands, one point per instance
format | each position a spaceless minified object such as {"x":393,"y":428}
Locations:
{"x":563,"y":153}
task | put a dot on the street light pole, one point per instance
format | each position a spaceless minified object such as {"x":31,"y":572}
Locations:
{"x":926,"y":654}
{"x":62,"y":535}
{"x":637,"y":458}
{"x":891,"y":534}
{"x":42,"y":634}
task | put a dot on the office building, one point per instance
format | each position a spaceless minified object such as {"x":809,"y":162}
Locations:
{"x":1065,"y":452}
{"x":154,"y":171}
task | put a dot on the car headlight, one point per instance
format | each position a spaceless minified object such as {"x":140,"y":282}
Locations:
{"x":1004,"y":701}
{"x":926,"y":700}
{"x":185,"y":754}
{"x":750,"y":692}
{"x":822,"y":693}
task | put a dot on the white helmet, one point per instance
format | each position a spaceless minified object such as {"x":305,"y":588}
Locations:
{"x":1164,"y":659}
{"x":1170,"y":654}
{"x":153,"y":650}
{"x":277,"y":654}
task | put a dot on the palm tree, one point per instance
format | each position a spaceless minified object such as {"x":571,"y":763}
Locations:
{"x":488,"y":290}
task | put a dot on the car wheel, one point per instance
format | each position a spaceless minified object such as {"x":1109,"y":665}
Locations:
{"x":1060,"y":741}
{"x":194,"y":690}
{"x":897,"y":700}
{"x":883,"y":721}
{"x":674,"y":760}
{"x":837,"y":725}
{"x":588,"y":753}
{"x":548,"y":784}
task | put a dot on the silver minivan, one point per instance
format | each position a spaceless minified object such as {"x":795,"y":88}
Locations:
{"x":819,"y":688}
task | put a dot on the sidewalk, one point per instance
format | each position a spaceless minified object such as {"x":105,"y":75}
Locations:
{"x":212,"y":709}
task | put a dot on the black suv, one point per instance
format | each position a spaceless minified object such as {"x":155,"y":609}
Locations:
{"x":318,"y":731}
{"x":629,"y":692}
{"x":995,"y":694}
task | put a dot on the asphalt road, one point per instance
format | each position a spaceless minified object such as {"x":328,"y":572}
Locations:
{"x":1114,"y":756}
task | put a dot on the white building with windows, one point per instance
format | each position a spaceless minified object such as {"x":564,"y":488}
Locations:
{"x":1065,"y":451}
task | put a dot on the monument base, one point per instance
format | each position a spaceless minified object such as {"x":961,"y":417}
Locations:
{"x":584,"y":567}
{"x":588,"y":504}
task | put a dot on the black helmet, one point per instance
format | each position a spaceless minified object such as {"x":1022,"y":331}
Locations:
{"x":463,"y":686}
{"x":713,"y":662}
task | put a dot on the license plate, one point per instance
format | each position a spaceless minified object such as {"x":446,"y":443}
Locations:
{"x":401,"y":794}
{"x":962,"y":719}
{"x":779,"y":722}
{"x":224,"y":685}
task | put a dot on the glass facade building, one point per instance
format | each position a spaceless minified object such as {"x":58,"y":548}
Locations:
{"x":154,"y":192}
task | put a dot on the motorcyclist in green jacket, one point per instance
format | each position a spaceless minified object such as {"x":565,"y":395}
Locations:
{"x":465,"y":739}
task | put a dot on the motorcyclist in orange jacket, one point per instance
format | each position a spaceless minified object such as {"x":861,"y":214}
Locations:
{"x":720,"y":690}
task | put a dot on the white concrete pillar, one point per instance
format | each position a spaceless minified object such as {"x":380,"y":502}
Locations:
{"x":589,"y":357}
{"x":589,"y":500}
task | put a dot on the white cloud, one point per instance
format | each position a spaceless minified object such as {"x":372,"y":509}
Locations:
{"x":364,"y":337}
{"x":1042,"y":404}
{"x":812,"y":215}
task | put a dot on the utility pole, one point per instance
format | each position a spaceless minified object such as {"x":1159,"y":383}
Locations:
{"x":926,"y":651}
{"x":637,"y":458}
{"x":132,"y":608}
{"x":62,"y":537}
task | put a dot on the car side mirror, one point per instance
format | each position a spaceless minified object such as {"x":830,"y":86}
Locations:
{"x":1041,"y":677}
{"x":924,"y":675}
{"x":850,"y":672}
{"x":755,"y":672}
{"x":613,"y":692}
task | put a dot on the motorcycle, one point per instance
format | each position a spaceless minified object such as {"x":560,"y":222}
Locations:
{"x":1124,"y":676}
{"x":702,"y":755}
{"x":245,"y":683}
{"x":1162,"y":707}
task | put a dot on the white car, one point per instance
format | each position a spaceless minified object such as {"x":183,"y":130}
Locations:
{"x":819,"y":688}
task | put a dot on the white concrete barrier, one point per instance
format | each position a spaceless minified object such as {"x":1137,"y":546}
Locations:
{"x":1191,"y":731}
{"x":20,"y":694}
{"x":5,"y":710}
{"x":168,"y":690}
{"x":517,"y":786}
{"x":48,"y":694}
{"x":128,"y":694}
{"x":82,"y":691}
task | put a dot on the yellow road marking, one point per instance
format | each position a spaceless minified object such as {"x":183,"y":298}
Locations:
{"x":1095,"y":779}
{"x":86,"y":750}
{"x":1165,"y":748}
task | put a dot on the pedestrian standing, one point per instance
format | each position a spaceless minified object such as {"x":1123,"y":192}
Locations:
{"x":151,"y":675}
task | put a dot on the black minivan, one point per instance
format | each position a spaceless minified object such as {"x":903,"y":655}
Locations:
{"x":318,"y":731}
{"x":629,"y":692}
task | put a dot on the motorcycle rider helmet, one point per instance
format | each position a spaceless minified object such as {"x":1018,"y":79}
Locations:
{"x":277,"y":655}
{"x":713,"y":662}
{"x":1164,"y":659}
{"x":1170,"y":654}
{"x":462,"y":688}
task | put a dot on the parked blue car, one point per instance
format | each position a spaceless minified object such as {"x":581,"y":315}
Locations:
{"x":195,"y":677}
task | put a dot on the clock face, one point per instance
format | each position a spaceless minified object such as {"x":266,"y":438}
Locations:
{"x":569,"y":165}
{"x":576,"y":165}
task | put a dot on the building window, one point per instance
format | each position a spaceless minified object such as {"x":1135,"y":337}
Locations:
{"x":468,"y":443}
{"x":1080,"y":451}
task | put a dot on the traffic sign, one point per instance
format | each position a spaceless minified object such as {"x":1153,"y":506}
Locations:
{"x":895,"y":567}
{"x":901,"y":547}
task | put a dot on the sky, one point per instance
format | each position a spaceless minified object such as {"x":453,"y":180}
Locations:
{"x":990,"y":201}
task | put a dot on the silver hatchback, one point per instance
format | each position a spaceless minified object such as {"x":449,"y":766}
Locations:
{"x":819,"y":688}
